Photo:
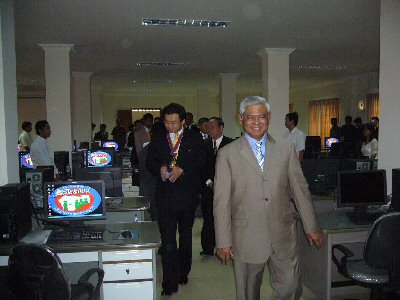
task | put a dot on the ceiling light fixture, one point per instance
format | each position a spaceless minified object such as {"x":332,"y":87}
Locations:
{"x":333,"y":67}
{"x":162,"y":64}
{"x":184,"y":22}
{"x":152,"y":81}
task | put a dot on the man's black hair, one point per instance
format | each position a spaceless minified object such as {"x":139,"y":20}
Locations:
{"x":358,"y":120}
{"x":202,"y":121}
{"x":218,"y":119}
{"x":174,"y":108}
{"x":293,"y":116}
{"x":40,"y":125}
{"x":348,"y":119}
{"x":148,"y":116}
{"x":25,"y":125}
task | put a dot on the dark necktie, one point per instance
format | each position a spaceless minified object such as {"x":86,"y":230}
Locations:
{"x":215,"y":147}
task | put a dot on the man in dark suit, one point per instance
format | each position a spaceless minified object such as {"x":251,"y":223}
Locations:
{"x":176,"y":159}
{"x":216,"y":140}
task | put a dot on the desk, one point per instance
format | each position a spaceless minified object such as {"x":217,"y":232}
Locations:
{"x":129,"y":264}
{"x":317,"y":269}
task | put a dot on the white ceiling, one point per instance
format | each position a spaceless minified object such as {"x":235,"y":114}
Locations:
{"x":109,"y":38}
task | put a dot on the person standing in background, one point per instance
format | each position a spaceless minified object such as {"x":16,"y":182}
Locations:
{"x":119,"y":134}
{"x":202,"y":125}
{"x":295,"y":135}
{"x":102,"y":134}
{"x":142,"y":135}
{"x":25,"y":138}
{"x":335,"y":130}
{"x":40,"y":152}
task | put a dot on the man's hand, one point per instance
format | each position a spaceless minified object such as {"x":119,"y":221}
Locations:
{"x":175,"y":173}
{"x":316,"y":238}
{"x":164,"y":173}
{"x":225,"y":254}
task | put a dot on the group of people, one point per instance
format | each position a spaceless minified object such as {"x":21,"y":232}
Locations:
{"x":362,"y":137}
{"x":243,"y":186}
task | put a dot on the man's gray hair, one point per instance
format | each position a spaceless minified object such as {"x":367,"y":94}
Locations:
{"x":253,"y":100}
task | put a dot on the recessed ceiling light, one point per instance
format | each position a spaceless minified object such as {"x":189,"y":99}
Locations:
{"x":162,"y":64}
{"x":184,"y":22}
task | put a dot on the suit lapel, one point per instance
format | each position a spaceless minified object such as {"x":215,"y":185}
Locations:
{"x":248,"y":154}
{"x":270,"y":152}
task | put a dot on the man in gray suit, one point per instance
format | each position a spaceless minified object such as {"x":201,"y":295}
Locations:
{"x":254,"y":220}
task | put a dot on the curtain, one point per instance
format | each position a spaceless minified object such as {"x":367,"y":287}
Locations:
{"x":320,"y":114}
{"x":373,"y":106}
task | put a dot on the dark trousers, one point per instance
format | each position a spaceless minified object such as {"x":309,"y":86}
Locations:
{"x":208,"y":230}
{"x":176,"y":262}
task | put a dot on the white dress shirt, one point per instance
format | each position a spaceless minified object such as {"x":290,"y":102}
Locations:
{"x":370,"y":149}
{"x":40,"y":152}
{"x":298,"y":138}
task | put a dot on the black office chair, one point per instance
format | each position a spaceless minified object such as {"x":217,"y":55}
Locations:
{"x":380,"y":268}
{"x":35,"y":272}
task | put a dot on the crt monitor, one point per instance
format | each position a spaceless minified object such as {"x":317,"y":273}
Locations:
{"x":110,"y":144}
{"x":74,"y":201}
{"x":359,"y":189}
{"x":25,"y":161}
{"x":112,"y":178}
{"x":101,"y":158}
{"x":329,"y":141}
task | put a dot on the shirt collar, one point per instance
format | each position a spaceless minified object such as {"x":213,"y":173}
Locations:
{"x":219,"y":140}
{"x":253,"y":141}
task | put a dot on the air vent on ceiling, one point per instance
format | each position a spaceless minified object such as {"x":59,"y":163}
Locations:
{"x":162,"y":64}
{"x":183,"y":22}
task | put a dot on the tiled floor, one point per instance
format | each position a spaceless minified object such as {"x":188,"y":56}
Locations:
{"x":209,"y":279}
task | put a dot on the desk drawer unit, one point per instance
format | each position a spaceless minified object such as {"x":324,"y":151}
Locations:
{"x":128,"y":275}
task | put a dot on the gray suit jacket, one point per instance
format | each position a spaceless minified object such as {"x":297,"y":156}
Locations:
{"x":252,"y":209}
{"x":141,"y":137}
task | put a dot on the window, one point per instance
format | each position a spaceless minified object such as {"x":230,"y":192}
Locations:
{"x":320,"y":114}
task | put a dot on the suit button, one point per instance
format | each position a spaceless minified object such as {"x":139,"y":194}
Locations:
{"x":266,"y":199}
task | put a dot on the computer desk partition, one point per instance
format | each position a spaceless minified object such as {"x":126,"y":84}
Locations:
{"x":318,"y":272}
{"x":129,"y":264}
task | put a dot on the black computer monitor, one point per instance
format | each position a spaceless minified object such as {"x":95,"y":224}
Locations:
{"x":329,"y":141}
{"x":110,"y":144}
{"x":359,"y":189}
{"x":61,"y":161}
{"x":74,"y":202}
{"x":25,"y":161}
{"x":112,"y":178}
{"x":101,"y":158}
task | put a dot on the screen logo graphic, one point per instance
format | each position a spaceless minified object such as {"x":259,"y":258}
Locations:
{"x":99,"y":159}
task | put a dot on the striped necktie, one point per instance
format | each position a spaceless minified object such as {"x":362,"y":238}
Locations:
{"x":259,"y":155}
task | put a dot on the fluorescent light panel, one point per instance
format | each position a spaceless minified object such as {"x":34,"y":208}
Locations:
{"x":162,"y":63}
{"x":146,"y":109}
{"x":152,"y":81}
{"x":184,"y":22}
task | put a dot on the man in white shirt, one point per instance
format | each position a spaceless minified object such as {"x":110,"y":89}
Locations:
{"x":25,"y":138}
{"x":40,"y":152}
{"x":295,"y":135}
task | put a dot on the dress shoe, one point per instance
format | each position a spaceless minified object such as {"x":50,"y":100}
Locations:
{"x":183,"y":281}
{"x":208,"y":253}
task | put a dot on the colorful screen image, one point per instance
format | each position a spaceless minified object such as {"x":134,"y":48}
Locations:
{"x":110,"y":144}
{"x":73,"y":201}
{"x":330,"y":141}
{"x":26,"y":161}
{"x":19,"y":147}
{"x":99,"y":159}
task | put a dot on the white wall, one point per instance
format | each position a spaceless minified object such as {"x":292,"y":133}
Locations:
{"x":32,"y":110}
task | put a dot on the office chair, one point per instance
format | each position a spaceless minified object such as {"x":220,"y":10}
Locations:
{"x":380,"y":267}
{"x":35,"y":272}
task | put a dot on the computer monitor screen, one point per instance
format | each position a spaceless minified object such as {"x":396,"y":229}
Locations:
{"x":25,"y":161}
{"x":110,"y":144}
{"x":19,"y":147}
{"x":100,"y":158}
{"x":112,"y":178}
{"x":359,"y":189}
{"x":329,"y":141}
{"x":81,"y":200}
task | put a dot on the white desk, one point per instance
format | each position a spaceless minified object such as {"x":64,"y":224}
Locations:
{"x":318,"y":271}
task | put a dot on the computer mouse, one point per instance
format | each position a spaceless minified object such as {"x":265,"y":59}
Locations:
{"x":126,"y":234}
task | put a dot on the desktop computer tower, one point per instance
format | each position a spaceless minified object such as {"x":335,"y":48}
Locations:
{"x":36,"y":178}
{"x":61,"y":161}
{"x":395,"y":205}
{"x":15,"y":211}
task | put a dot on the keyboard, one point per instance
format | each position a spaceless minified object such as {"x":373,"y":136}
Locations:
{"x":364,"y":218}
{"x":75,"y":235}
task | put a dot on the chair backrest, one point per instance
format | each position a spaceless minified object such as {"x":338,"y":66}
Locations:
{"x":35,"y":272}
{"x":383,"y":243}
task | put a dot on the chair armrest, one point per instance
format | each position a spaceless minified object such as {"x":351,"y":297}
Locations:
{"x":341,"y":266}
{"x":85,"y":277}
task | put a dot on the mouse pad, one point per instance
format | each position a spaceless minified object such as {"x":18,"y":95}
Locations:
{"x":135,"y":235}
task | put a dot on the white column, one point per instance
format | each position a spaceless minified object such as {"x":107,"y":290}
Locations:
{"x":228,"y":104}
{"x":389,"y":89}
{"x":97,"y":106}
{"x":275,"y":82}
{"x":203,"y":100}
{"x":58,"y":95}
{"x":8,"y":96}
{"x":81,"y":107}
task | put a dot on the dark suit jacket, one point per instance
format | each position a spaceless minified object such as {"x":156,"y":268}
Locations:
{"x":212,"y":157}
{"x":178,"y":195}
